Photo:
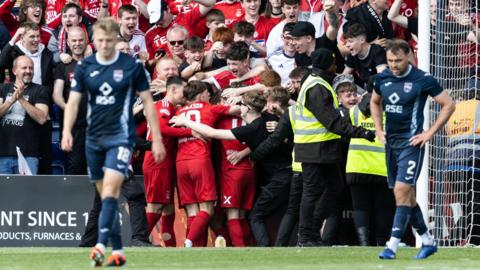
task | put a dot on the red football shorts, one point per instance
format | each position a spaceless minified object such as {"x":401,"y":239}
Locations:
{"x":196,"y":181}
{"x":238,"y":188}
{"x":159,"y":185}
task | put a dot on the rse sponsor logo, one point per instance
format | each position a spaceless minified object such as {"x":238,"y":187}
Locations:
{"x":394,"y":108}
{"x":105,"y":89}
{"x":105,"y":100}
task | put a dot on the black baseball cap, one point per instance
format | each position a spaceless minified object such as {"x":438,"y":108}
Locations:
{"x":322,"y":58}
{"x":303,"y":29}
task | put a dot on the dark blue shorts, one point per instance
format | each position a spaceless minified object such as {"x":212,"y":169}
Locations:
{"x":99,"y":158}
{"x":404,"y":164}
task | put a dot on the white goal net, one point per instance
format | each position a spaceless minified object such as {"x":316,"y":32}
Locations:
{"x":454,"y":165}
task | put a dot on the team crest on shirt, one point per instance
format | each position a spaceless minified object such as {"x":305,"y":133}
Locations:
{"x":407,"y":87}
{"x":238,"y":13}
{"x":118,"y":75}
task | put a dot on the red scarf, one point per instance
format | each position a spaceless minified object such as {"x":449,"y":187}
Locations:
{"x":62,"y":38}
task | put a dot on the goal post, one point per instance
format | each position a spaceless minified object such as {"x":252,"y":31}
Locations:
{"x":423,"y":59}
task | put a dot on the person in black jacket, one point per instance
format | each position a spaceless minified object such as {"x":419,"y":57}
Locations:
{"x":26,"y":41}
{"x":321,"y":160}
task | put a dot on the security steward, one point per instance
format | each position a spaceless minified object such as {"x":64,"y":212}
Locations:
{"x":317,"y":130}
{"x":367,"y":178}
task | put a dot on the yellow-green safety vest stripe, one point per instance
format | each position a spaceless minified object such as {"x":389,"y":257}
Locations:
{"x":296,"y":166}
{"x":364,"y":156}
{"x":306,"y":128}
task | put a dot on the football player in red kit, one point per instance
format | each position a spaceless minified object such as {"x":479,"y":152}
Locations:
{"x":237,"y":181}
{"x":195,"y":175}
{"x":159,"y":178}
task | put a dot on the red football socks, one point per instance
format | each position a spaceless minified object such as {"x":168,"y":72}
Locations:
{"x":236,"y":232}
{"x":167,"y":231}
{"x":198,"y":228}
{"x":152,"y":219}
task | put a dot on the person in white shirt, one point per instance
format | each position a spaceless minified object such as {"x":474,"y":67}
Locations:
{"x":283,"y":61}
{"x":290,"y":9}
{"x":129,"y":32}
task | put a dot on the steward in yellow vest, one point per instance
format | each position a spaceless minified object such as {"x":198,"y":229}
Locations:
{"x":367,"y":178}
{"x":317,"y":127}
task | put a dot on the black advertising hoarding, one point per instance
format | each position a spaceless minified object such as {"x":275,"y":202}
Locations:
{"x":47,"y":211}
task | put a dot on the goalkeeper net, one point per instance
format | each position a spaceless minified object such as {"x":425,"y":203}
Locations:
{"x":454,"y":168}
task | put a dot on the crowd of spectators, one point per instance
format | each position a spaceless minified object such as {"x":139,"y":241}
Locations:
{"x":236,"y":48}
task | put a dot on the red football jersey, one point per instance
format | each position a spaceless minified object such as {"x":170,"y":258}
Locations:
{"x":262,"y":28}
{"x":156,"y":37}
{"x":92,"y":7}
{"x":233,"y":12}
{"x":205,"y":113}
{"x":53,"y":10}
{"x":222,"y":79}
{"x":177,"y":7}
{"x":228,"y":147}
{"x":165,"y":111}
{"x":12,"y":23}
{"x":311,"y":5}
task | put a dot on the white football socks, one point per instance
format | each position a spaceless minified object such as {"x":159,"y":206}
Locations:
{"x":393,"y":244}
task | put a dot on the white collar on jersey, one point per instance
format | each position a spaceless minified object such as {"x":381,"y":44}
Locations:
{"x":406,"y":72}
{"x":109,"y":62}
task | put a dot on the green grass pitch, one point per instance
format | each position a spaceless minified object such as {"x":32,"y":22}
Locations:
{"x":345,"y":258}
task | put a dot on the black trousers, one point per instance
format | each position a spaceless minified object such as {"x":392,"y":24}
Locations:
{"x":322,"y":185}
{"x":289,"y":222}
{"x":76,"y":159}
{"x":373,"y":202}
{"x":134,"y":192}
{"x":272,"y":196}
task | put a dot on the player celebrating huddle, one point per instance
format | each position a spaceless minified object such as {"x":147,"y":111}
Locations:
{"x":110,"y":79}
{"x":195,"y":175}
{"x":159,"y":178}
{"x":404,"y":90}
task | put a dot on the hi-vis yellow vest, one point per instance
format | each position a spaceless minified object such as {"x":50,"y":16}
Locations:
{"x":296,"y":166}
{"x":306,"y":128}
{"x":364,"y":156}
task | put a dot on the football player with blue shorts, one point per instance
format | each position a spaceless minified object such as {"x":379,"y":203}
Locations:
{"x":402,"y":90}
{"x":111,"y":80}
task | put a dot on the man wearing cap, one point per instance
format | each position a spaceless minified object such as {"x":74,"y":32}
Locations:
{"x":163,"y":19}
{"x":305,"y":43}
{"x":317,"y":128}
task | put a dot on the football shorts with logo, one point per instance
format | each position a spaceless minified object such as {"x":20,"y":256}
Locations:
{"x":159,"y":185}
{"x":101,"y":157}
{"x":237,"y":188}
{"x":404,"y":164}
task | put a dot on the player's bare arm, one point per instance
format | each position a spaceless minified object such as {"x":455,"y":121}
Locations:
{"x":71,"y":112}
{"x":448,"y":107}
{"x":158,"y":149}
{"x":376,"y":110}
